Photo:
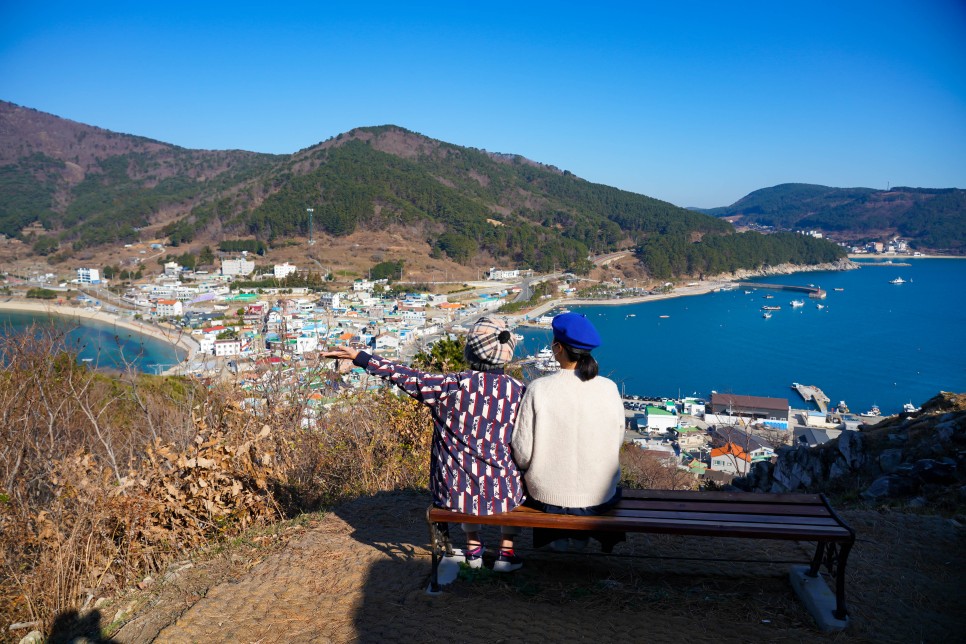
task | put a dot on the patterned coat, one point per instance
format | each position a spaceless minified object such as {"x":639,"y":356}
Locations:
{"x":472,"y":470}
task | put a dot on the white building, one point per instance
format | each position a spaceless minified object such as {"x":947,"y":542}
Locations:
{"x":659,"y":419}
{"x":227,"y":347}
{"x":386,"y":341}
{"x":169,"y":308}
{"x":172,"y":268}
{"x":88,"y":276}
{"x":500,"y":274}
{"x":731,"y":459}
{"x":284,"y":270}
{"x":237,"y":267}
{"x":329,"y":300}
{"x":362,"y":285}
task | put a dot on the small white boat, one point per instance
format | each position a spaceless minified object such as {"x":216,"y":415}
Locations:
{"x":797,"y":303}
{"x":874,"y":412}
{"x":766,"y":315}
{"x":909,"y":408}
{"x":897,"y":280}
{"x":820,"y":306}
{"x":664,"y":317}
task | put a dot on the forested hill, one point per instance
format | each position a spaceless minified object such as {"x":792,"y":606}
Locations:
{"x":90,"y":186}
{"x":466,"y":201}
{"x":934,"y":218}
{"x":87,"y":186}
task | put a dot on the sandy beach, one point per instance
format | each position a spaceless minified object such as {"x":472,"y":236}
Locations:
{"x":175,"y":337}
{"x":681,"y":291}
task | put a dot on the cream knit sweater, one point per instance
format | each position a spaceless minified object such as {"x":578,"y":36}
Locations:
{"x":567,"y":439}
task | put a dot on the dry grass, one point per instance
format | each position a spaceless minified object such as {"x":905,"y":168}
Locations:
{"x":106,"y":479}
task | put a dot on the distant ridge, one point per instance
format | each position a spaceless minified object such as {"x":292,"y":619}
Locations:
{"x":934,"y":218}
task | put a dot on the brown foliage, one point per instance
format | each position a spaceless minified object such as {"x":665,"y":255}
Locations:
{"x":646,"y":470}
{"x":106,"y":479}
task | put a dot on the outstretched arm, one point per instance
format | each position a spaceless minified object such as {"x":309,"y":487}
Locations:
{"x":424,"y":387}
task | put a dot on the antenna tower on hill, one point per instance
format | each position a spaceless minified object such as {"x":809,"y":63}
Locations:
{"x":310,"y":211}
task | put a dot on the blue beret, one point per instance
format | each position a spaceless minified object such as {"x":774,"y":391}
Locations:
{"x":575,"y":330}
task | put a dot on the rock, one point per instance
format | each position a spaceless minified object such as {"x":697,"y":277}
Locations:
{"x":945,"y":431}
{"x":33,"y":637}
{"x":890,"y":486}
{"x":899,"y":437}
{"x":918,"y":502}
{"x":124,"y":612}
{"x":852,"y":448}
{"x":890,"y":459}
{"x":930,"y":471}
{"x":839,"y":469}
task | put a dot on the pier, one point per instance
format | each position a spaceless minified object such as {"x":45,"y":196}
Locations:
{"x":810,"y":392}
{"x":813,"y":291}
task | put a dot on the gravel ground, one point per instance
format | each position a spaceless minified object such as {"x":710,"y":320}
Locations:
{"x":359,"y":575}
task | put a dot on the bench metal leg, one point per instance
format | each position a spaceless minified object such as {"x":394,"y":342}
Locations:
{"x":441,"y":546}
{"x":843,"y":556}
{"x":834,"y":556}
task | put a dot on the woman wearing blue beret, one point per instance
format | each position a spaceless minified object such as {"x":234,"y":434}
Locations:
{"x":570,"y":429}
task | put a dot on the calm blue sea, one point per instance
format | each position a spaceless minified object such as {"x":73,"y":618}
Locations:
{"x":103,"y":345}
{"x":873,"y":343}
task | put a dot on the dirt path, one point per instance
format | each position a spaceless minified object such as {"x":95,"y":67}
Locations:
{"x":359,"y":575}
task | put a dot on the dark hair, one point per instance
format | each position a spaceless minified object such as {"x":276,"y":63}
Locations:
{"x":586,"y":364}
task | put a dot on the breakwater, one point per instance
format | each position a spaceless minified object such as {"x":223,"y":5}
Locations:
{"x":813,"y":292}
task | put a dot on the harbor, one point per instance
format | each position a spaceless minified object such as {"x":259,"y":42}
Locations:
{"x":810,"y":393}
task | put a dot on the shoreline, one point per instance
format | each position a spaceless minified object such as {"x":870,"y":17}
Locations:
{"x":700,"y":288}
{"x":177,"y":339}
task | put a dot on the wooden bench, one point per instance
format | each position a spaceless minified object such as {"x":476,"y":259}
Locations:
{"x":794,"y":517}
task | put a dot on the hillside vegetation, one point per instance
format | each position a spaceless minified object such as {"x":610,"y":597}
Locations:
{"x":88,"y":187}
{"x":935,"y":218}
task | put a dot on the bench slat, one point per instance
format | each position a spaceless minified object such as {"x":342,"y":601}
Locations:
{"x":731,"y":497}
{"x":749,"y":508}
{"x":654,"y":525}
{"x":724,"y":516}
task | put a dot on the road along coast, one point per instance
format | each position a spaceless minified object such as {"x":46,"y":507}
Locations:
{"x":172,"y":336}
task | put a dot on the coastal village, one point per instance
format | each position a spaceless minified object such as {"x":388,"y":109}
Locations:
{"x":268,"y":339}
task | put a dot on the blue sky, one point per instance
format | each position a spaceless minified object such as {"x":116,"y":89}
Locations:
{"x":698,"y":103}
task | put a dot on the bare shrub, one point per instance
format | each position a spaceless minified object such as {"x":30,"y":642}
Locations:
{"x":104,"y":479}
{"x":642,"y":469}
{"x":366,"y":443}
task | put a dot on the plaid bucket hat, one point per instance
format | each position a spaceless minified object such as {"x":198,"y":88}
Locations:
{"x":489,"y":344}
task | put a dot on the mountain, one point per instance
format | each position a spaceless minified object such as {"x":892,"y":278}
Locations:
{"x":934,"y":218}
{"x":88,"y":186}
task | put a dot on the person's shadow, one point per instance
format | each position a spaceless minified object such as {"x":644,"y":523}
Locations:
{"x":70,"y":626}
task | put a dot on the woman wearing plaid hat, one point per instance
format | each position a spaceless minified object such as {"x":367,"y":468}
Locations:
{"x":569,"y":433}
{"x":473,"y":416}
